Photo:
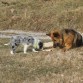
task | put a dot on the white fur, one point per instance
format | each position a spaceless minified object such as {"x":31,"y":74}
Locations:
{"x":6,"y":44}
{"x":34,"y":50}
{"x":12,"y":52}
{"x":25,"y":48}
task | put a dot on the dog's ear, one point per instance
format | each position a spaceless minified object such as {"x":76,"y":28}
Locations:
{"x":48,"y":34}
{"x":56,"y":34}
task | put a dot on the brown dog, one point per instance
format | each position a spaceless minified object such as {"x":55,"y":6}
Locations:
{"x":65,"y":38}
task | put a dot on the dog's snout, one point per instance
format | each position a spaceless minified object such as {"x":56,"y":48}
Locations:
{"x":56,"y":44}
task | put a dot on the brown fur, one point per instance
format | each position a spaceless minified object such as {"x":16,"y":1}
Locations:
{"x":65,"y":38}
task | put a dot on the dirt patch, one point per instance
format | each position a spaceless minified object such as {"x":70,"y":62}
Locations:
{"x":10,"y":33}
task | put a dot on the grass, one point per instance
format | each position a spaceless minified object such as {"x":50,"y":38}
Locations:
{"x":52,"y":67}
{"x":41,"y":15}
{"x":41,"y":67}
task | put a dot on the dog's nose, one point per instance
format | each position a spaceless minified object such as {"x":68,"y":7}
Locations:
{"x":54,"y":45}
{"x":57,"y":44}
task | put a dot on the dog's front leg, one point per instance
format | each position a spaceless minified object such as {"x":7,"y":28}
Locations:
{"x":67,"y":47}
{"x":34,"y":50}
{"x":13,"y":48}
{"x":25,"y":48}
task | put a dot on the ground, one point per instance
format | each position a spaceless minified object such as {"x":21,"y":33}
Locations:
{"x":55,"y":66}
{"x":40,"y":16}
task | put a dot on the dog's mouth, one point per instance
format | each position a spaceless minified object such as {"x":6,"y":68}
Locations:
{"x":57,"y":45}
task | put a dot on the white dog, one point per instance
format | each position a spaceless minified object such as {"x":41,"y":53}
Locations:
{"x":26,"y":41}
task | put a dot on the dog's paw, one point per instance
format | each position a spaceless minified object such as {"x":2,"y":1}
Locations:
{"x":34,"y":50}
{"x":65,"y":49}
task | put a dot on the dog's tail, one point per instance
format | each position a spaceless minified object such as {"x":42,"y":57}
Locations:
{"x":7,"y":44}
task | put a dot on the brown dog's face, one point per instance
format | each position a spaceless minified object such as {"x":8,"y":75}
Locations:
{"x":56,"y":37}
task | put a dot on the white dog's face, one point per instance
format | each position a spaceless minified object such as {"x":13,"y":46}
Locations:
{"x":38,"y":44}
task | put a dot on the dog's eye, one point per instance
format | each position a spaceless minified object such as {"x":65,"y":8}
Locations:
{"x":56,"y":35}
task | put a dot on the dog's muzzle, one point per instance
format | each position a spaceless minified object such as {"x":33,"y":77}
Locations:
{"x":57,"y":45}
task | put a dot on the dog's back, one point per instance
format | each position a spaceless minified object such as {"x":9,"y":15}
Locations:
{"x":21,"y":40}
{"x":77,"y":41}
{"x":15,"y":40}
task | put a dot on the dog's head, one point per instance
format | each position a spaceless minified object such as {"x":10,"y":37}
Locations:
{"x":56,"y":37}
{"x":38,"y":44}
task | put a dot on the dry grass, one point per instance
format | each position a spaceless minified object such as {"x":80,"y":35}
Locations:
{"x":41,"y":67}
{"x":41,"y":15}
